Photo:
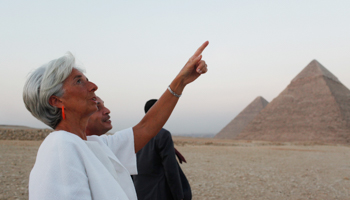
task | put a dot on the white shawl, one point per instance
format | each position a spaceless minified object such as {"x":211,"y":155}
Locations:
{"x":68,"y":167}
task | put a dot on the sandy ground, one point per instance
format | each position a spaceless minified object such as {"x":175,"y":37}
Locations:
{"x":16,"y":160}
{"x":223,"y":169}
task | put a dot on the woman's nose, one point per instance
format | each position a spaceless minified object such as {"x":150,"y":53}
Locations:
{"x":93,"y":87}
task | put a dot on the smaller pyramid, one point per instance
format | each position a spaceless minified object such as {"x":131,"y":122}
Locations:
{"x":234,"y":128}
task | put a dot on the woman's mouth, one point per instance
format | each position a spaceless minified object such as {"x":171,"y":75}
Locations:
{"x":94,"y":99}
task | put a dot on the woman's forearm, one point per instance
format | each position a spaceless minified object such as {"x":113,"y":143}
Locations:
{"x":157,"y":116}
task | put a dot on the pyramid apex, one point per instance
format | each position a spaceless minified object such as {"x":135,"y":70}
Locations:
{"x":263,"y":101}
{"x":260,"y":97}
{"x":314,"y":69}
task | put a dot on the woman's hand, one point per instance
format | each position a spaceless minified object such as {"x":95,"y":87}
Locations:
{"x":194,"y":67}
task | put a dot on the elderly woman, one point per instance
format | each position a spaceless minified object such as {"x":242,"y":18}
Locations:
{"x":70,"y":165}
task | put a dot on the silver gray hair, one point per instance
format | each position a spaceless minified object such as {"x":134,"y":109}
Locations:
{"x":44,"y":82}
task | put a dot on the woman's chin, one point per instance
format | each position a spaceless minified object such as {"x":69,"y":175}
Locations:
{"x":92,"y":110}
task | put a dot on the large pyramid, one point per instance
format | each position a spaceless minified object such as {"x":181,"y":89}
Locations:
{"x":232,"y":129}
{"x":315,"y":106}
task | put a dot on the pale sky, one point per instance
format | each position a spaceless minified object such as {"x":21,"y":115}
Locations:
{"x":133,"y":49}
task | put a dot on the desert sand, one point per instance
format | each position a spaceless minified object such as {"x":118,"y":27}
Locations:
{"x":223,"y":169}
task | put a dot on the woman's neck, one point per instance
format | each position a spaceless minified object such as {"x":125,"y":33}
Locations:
{"x":74,"y":126}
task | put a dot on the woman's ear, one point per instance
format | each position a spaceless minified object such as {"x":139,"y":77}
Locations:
{"x":55,"y":102}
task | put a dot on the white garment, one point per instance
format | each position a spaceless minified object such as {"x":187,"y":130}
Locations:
{"x":68,"y":167}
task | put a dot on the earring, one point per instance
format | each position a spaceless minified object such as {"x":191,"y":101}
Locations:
{"x":63,"y":115}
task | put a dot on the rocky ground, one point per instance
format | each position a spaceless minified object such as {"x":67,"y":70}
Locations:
{"x":223,"y":169}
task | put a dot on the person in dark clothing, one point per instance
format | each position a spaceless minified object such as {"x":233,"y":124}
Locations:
{"x":159,"y":174}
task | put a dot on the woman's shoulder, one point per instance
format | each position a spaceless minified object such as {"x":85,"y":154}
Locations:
{"x":61,"y":140}
{"x":62,"y":136}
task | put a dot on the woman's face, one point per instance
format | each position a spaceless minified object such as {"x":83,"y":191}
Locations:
{"x":79,"y":95}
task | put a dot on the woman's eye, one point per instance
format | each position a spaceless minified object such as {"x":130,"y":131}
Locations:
{"x":79,"y":81}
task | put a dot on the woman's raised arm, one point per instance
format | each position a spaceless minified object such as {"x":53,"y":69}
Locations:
{"x":160,"y":112}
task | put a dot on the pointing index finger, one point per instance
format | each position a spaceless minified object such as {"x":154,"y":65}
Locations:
{"x":200,"y":49}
